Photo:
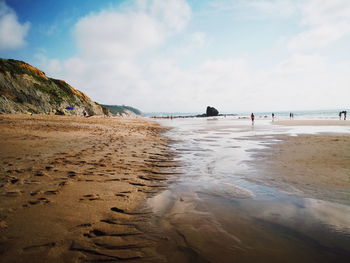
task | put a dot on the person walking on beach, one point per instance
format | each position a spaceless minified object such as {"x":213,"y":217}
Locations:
{"x":345,"y":115}
{"x":252,"y":117}
{"x":273,"y":116}
{"x":340,"y":115}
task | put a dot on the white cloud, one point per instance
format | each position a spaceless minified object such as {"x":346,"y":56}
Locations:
{"x":327,"y":22}
{"x":12,"y":32}
{"x":199,"y":39}
{"x":320,"y":12}
{"x":113,"y":34}
{"x":128,"y":57}
{"x":282,"y":8}
{"x":256,"y":9}
{"x":173,"y":14}
{"x":111,"y":43}
{"x":318,"y":37}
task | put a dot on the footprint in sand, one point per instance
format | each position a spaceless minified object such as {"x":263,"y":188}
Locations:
{"x":40,"y":200}
{"x":51,"y":192}
{"x":47,"y":245}
{"x":49,"y":168}
{"x":39,"y":174}
{"x":14,"y":193}
{"x":12,"y":179}
{"x":71,"y":174}
{"x":122,"y":195}
{"x":90,"y":197}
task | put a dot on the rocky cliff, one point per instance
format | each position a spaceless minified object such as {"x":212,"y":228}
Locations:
{"x":26,"y":89}
{"x":122,"y":110}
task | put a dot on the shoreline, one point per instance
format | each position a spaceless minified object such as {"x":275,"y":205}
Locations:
{"x":235,"y":203}
{"x":93,"y":189}
{"x":74,"y":188}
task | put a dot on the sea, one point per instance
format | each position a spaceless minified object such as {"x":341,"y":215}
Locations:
{"x":303,"y":115}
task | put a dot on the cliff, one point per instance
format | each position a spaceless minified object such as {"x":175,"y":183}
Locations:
{"x":122,"y":110}
{"x":26,"y":89}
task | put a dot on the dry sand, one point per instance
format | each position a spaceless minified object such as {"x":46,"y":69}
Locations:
{"x":316,"y":165}
{"x":72,"y":189}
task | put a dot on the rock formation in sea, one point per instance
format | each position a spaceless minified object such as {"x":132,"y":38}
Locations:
{"x":211,"y":111}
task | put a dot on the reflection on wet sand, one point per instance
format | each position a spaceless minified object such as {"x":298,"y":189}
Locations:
{"x":216,"y":213}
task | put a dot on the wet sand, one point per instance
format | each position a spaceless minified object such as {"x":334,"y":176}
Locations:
{"x":313,"y":122}
{"x":316,"y":166}
{"x":72,"y":189}
{"x":234,"y":203}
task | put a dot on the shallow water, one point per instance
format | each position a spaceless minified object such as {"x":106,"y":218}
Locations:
{"x":214,"y":213}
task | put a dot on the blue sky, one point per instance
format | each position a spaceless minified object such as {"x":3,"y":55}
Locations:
{"x":182,"y":55}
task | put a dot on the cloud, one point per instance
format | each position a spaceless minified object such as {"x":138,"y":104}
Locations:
{"x":327,"y":22}
{"x":319,"y":12}
{"x":130,"y":56}
{"x":111,"y":46}
{"x":256,"y":9}
{"x":12,"y":32}
{"x":281,"y":8}
{"x":112,"y":33}
{"x":172,"y":14}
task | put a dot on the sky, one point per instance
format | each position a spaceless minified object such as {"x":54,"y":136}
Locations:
{"x":185,"y":55}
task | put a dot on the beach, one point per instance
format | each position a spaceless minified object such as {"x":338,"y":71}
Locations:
{"x":316,"y":165}
{"x":72,"y":188}
{"x":97,"y":189}
{"x":266,"y":192}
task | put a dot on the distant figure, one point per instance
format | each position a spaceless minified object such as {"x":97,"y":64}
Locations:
{"x":340,"y":115}
{"x":273,"y":116}
{"x":252,"y":117}
{"x":344,"y":115}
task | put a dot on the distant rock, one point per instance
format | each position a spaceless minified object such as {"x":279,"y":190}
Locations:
{"x":211,"y":111}
{"x":26,"y":89}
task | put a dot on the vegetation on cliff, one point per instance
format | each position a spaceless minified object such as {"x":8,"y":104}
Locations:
{"x":122,"y":109}
{"x":26,"y":89}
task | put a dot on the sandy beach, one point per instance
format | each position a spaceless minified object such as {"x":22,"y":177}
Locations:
{"x":99,"y":189}
{"x":72,"y":188}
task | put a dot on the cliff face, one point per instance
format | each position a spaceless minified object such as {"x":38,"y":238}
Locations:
{"x":122,"y":110}
{"x":26,"y":89}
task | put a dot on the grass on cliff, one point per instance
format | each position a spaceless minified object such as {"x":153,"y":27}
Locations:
{"x":56,"y":89}
{"x":117,"y":109}
{"x":13,"y":66}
